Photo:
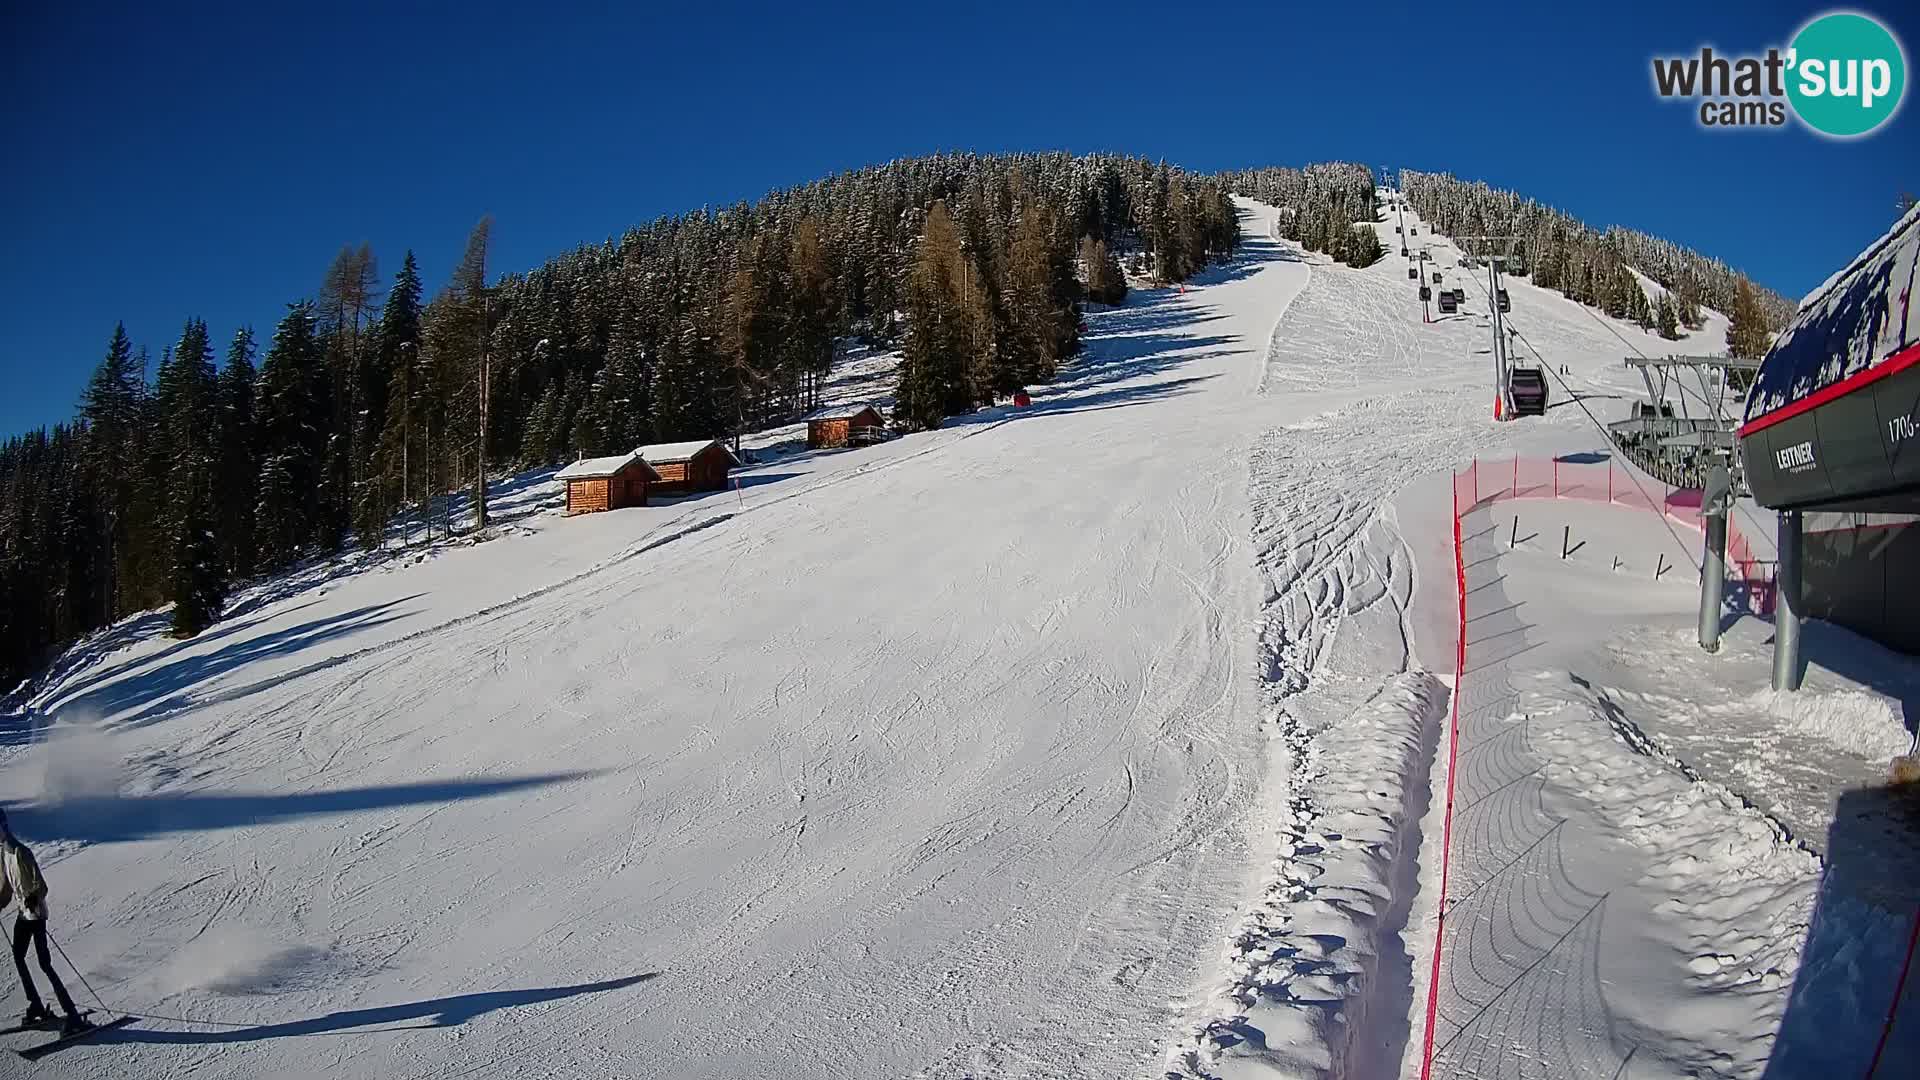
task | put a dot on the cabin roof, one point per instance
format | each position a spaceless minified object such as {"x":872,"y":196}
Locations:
{"x":600,"y":467}
{"x":841,"y":412}
{"x":666,"y":453}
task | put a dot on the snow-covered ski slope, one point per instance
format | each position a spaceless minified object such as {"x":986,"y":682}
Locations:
{"x":1019,"y":748}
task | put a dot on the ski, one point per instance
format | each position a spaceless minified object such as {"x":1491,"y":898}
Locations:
{"x":35,"y":1053}
{"x":18,"y":1028}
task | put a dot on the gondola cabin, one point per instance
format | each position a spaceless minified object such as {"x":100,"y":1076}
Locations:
{"x":686,"y":467}
{"x":1528,"y":389}
{"x":1448,"y":305}
{"x":1505,"y":304}
{"x":845,"y":425}
{"x":1436,"y":277}
{"x":1426,"y":293}
{"x":1413,"y":273}
{"x":607,"y":483}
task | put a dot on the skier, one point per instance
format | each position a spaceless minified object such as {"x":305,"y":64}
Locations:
{"x":20,"y":876}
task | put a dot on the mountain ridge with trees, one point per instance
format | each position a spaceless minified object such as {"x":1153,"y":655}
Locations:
{"x":366,"y":408}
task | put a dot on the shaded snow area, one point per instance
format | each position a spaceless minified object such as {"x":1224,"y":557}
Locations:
{"x":1105,"y":737}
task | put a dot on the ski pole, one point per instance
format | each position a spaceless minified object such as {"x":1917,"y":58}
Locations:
{"x":78,"y":973}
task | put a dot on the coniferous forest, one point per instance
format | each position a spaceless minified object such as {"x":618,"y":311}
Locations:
{"x":188,"y":472}
{"x":1557,"y":251}
{"x":365,"y":404}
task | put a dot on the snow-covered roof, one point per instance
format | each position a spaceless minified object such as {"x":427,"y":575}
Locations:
{"x":680,"y":451}
{"x":1861,"y":318}
{"x":595,"y":468}
{"x":841,"y":412}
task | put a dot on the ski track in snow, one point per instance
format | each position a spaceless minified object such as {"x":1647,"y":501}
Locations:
{"x":1354,"y":720}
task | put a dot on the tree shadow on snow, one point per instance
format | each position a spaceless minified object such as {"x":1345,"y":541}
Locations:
{"x":119,"y":818}
{"x":160,"y":689}
{"x":437,"y":1012}
{"x":230,"y":624}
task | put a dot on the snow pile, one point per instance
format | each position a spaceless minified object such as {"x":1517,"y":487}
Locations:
{"x":1792,"y":755}
{"x":1856,"y":721}
{"x":1305,"y":963}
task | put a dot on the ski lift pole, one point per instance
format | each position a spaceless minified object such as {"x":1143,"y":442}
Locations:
{"x":1787,"y":604}
{"x":1499,"y":339}
{"x":1713,"y":567}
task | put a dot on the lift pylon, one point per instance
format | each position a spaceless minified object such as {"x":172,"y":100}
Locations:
{"x":1498,"y":250}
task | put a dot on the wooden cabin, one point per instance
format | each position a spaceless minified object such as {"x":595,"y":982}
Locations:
{"x":684,"y":467}
{"x":844,"y":425}
{"x":607,"y":483}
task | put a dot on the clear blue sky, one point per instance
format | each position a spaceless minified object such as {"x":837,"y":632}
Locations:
{"x":210,"y":163}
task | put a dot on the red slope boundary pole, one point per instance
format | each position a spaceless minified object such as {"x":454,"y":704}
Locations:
{"x":1446,"y":827}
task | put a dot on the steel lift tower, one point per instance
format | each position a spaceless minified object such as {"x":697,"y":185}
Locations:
{"x":1502,"y":401}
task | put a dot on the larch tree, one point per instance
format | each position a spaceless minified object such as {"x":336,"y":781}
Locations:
{"x":934,"y":382}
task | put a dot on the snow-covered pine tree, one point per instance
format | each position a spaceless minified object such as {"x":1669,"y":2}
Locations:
{"x":236,"y":456}
{"x":1667,"y":318}
{"x":293,"y":412}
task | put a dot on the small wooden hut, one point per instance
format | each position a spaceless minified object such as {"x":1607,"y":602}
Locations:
{"x":844,"y":425}
{"x":607,"y":483}
{"x":683,"y":467}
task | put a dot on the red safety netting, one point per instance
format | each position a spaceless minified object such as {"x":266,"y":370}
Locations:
{"x":1602,"y":478}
